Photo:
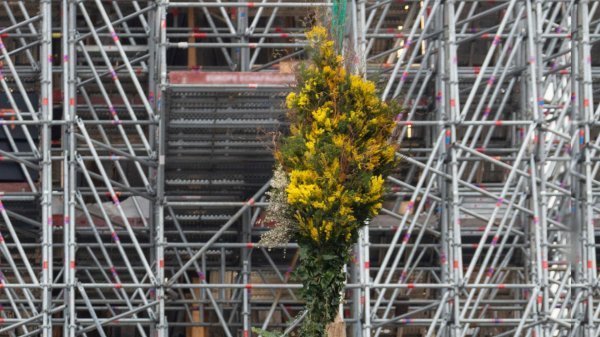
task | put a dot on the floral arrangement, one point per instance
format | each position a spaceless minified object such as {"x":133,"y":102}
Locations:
{"x":329,"y":178}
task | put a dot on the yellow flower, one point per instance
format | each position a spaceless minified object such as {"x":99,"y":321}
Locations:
{"x":314,"y":234}
{"x":295,"y":130}
{"x":302,"y":100}
{"x":316,"y":131}
{"x":344,"y":210}
{"x":376,"y":186}
{"x":332,"y":171}
{"x":375,"y":208}
{"x":319,"y":204}
{"x":327,"y":228}
{"x":318,"y":33}
{"x":328,"y":124}
{"x":290,"y":99}
{"x":357,"y":83}
{"x":302,"y":187}
{"x":320,"y":114}
{"x":389,"y":153}
{"x":339,"y":140}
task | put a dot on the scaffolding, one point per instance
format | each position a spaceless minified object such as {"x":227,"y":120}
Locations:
{"x":134,"y":160}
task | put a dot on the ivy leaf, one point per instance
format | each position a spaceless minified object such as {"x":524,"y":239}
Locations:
{"x":328,"y":257}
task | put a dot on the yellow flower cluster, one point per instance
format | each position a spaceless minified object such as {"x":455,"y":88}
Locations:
{"x":303,"y":188}
{"x":337,"y":153}
{"x":316,"y":35}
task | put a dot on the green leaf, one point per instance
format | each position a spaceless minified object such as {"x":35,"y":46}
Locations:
{"x":266,"y":333}
{"x":328,"y":257}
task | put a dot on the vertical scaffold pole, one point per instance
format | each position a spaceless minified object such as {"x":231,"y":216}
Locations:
{"x":46,"y":176}
{"x":444,"y":250}
{"x":363,"y":238}
{"x":160,"y":30}
{"x":69,"y":162}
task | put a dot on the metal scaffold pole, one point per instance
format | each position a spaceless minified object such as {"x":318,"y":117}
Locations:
{"x":46,"y":113}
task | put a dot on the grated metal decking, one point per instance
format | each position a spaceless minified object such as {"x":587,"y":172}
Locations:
{"x":220,"y":139}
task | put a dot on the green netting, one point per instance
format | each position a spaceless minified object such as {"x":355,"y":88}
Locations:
{"x":338,"y":21}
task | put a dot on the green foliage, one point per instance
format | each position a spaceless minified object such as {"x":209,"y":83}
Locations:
{"x":321,"y":274}
{"x":335,"y":160}
{"x":266,"y":333}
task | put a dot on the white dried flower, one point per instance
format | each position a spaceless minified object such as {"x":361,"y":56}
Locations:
{"x":278,"y":212}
